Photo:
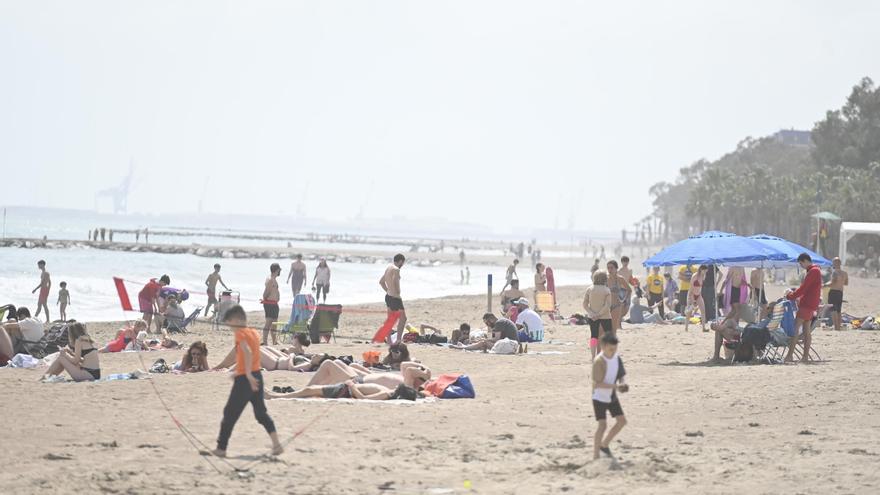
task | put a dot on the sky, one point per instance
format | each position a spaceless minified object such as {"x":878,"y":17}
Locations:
{"x":509,"y":114}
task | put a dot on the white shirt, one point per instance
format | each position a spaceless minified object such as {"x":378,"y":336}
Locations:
{"x":611,"y":367}
{"x":532,"y":321}
{"x":31,"y":329}
{"x":322,"y":275}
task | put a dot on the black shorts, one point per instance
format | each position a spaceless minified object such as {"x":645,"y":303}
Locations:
{"x":394,"y":303}
{"x":319,"y":288}
{"x":338,"y":391}
{"x":835,"y":299}
{"x":271,"y":311}
{"x":594,"y":327}
{"x":734,"y":295}
{"x":600,"y":409}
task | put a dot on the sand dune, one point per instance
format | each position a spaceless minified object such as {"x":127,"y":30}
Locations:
{"x":693,"y":428}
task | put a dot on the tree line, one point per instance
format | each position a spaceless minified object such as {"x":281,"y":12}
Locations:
{"x":769,"y":185}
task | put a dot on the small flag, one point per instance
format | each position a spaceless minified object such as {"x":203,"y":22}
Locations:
{"x":123,"y":294}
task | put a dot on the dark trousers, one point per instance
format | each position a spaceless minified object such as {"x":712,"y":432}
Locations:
{"x":654,"y":299}
{"x":239,"y":397}
{"x":682,"y":302}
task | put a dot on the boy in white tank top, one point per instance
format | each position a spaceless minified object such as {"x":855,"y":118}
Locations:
{"x":608,"y":378}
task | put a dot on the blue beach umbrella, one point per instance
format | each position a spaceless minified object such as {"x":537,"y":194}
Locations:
{"x":791,"y":250}
{"x":716,"y":248}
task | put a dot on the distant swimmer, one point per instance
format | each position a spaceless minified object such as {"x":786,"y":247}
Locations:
{"x":297,"y":277}
{"x":45,"y":285}
{"x":390,"y":283}
{"x":211,"y":283}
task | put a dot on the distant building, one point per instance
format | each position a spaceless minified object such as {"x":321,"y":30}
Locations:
{"x":792,"y":137}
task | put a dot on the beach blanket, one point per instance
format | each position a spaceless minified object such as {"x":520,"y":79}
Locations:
{"x":451,"y":386}
{"x":398,"y":402}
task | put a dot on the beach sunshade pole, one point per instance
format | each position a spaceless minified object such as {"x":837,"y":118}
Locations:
{"x":489,"y":293}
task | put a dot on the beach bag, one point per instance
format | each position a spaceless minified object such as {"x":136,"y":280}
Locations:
{"x":160,"y":366}
{"x":451,"y":386}
{"x":505,"y":346}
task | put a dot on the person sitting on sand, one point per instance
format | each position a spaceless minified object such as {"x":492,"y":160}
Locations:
{"x":334,"y":371}
{"x":6,"y":348}
{"x":82,"y":362}
{"x":298,"y":344}
{"x":501,"y":328}
{"x":349,"y":390}
{"x":397,"y":354}
{"x":195,"y":359}
{"x":724,"y":329}
{"x":462,"y":335}
{"x":23,"y":329}
{"x":125,"y":337}
{"x":511,"y":294}
{"x":528,"y":321}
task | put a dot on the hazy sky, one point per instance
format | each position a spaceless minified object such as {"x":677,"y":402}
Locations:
{"x":503,"y":113}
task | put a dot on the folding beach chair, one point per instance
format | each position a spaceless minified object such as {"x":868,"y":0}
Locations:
{"x":288,"y":330}
{"x":781,"y":330}
{"x":54,"y":339}
{"x":180,"y":326}
{"x":545,"y":302}
{"x":325,"y":323}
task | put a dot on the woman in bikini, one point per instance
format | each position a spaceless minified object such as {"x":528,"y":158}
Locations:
{"x":695,"y":298}
{"x":82,"y":362}
{"x":620,"y":292}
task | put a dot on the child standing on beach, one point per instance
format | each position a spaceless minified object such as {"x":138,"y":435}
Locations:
{"x":608,"y":379}
{"x":271,"y":296}
{"x":247,"y":385}
{"x":63,"y":300}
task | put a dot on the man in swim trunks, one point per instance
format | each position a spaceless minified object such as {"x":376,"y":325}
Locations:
{"x":211,"y":283}
{"x":297,"y":276}
{"x":839,"y":278}
{"x":390,"y":283}
{"x":45,"y":285}
{"x":807,"y":296}
{"x":271,"y":296}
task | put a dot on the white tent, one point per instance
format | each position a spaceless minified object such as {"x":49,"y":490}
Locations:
{"x":849,"y":229}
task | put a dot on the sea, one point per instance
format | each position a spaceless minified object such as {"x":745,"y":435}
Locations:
{"x":89,"y":272}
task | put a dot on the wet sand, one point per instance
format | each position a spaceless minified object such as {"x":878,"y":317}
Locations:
{"x":693,"y":428}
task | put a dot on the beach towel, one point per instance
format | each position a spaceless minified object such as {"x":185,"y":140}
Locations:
{"x":451,"y":386}
{"x":788,"y":318}
{"x":396,"y":402}
{"x":743,"y":293}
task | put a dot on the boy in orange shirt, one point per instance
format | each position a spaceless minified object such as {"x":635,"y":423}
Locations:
{"x":248,"y":384}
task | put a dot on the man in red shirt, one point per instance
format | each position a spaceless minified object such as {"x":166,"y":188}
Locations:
{"x":808,"y":296}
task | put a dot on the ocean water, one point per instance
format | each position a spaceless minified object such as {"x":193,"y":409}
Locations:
{"x":89,"y":275}
{"x":89,"y":272}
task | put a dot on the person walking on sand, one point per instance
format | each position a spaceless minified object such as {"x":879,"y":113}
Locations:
{"x":807,"y":296}
{"x":608,"y":378}
{"x":510,"y":274}
{"x":321,"y":280}
{"x":63,"y":300}
{"x":620,"y":291}
{"x":626,"y":272}
{"x":297,"y":277}
{"x":839,"y":279}
{"x":247,"y":385}
{"x":390,"y":283}
{"x":211,"y":284}
{"x":271,"y":296}
{"x":45,"y":285}
{"x":597,"y":304}
{"x":694,"y":297}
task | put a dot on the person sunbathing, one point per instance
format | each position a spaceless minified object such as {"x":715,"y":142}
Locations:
{"x":81,"y":362}
{"x":195,"y":359}
{"x":411,"y":374}
{"x":349,"y":390}
{"x":124,"y":337}
{"x":397,"y":354}
{"x":272,"y":359}
{"x":297,"y":348}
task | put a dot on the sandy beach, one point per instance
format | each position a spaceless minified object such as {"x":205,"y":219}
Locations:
{"x":713,"y":429}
